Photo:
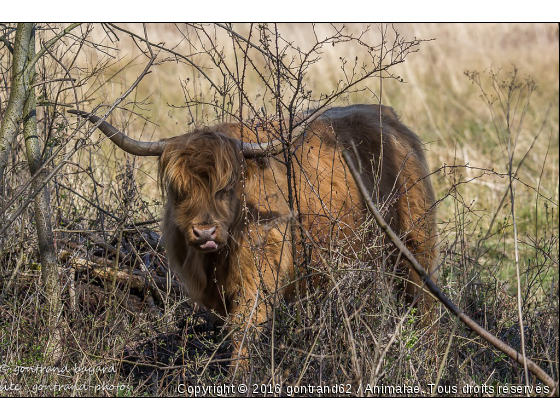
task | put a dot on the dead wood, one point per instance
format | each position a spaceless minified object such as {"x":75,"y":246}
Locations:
{"x":135,"y":279}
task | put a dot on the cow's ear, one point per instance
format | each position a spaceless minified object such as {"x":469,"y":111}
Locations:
{"x":253,"y":167}
{"x":262,"y":161}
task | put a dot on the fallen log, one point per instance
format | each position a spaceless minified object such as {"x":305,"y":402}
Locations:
{"x":135,"y":279}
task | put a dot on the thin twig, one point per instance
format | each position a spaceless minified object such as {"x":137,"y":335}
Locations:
{"x":51,"y":42}
{"x":7,"y":43}
{"x":33,"y":194}
{"x":436,"y":291}
{"x":176,"y":54}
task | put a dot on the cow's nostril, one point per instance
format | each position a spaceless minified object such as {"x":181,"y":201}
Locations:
{"x":204,"y":233}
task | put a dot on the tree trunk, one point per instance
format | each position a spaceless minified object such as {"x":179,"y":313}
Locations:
{"x":47,"y":252}
{"x":12,"y":117}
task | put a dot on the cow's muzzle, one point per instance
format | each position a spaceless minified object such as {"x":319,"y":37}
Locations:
{"x":206,"y":238}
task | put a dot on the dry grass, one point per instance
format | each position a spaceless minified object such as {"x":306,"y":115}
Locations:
{"x":359,"y":333}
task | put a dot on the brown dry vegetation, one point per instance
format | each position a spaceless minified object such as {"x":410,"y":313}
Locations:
{"x":137,"y":322}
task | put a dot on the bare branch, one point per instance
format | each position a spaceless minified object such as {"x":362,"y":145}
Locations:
{"x":51,"y":42}
{"x":436,"y":291}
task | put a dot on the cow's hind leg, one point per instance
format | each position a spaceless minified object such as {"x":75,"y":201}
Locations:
{"x":417,"y":223}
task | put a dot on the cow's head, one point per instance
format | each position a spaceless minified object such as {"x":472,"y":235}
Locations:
{"x":201,"y":173}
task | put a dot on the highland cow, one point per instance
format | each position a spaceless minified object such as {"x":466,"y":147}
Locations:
{"x":241,"y":201}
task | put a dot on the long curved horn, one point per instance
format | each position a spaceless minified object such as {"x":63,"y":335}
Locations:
{"x":251,"y":150}
{"x":135,"y":147}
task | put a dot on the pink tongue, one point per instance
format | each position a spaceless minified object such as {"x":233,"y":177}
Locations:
{"x":209,"y":245}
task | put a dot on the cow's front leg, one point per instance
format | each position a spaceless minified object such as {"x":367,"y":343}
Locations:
{"x":263,"y":268}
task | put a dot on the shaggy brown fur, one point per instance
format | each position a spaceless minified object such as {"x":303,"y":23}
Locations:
{"x":228,"y":227}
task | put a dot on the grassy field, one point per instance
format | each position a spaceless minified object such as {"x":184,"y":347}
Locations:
{"x":484,"y":99}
